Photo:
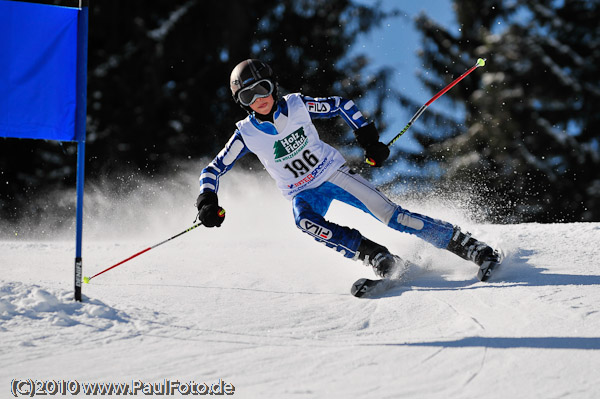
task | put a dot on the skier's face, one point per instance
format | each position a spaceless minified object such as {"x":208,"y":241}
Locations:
{"x":263,"y":105}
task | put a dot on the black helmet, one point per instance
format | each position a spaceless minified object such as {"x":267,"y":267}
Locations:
{"x":253,"y":79}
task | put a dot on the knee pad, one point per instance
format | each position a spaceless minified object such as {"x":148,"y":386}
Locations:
{"x":434,"y":231}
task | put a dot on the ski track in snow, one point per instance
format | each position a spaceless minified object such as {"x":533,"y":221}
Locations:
{"x":260,"y":305}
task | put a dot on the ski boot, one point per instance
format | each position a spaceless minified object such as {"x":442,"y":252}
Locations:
{"x":467,"y":247}
{"x":377,"y":256}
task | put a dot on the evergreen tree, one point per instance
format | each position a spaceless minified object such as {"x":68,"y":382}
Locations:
{"x":529,"y":145}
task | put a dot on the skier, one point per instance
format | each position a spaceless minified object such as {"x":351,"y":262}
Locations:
{"x":311,"y":173}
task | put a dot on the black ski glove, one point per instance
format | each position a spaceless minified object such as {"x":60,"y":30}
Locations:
{"x":368,"y":138}
{"x":376,"y":153}
{"x":209,"y":211}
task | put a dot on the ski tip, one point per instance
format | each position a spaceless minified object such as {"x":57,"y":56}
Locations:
{"x":481,"y":62}
{"x":364,"y":287}
{"x":360,"y":286}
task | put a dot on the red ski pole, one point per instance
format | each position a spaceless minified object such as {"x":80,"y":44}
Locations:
{"x":87,"y":279}
{"x":480,"y":62}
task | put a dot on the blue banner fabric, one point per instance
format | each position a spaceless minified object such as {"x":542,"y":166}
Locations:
{"x":38,"y":71}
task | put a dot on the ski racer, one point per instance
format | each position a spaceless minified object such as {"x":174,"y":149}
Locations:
{"x":311,"y":173}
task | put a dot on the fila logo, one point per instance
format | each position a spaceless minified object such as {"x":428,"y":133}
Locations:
{"x":319,"y":108}
{"x":315,"y":229}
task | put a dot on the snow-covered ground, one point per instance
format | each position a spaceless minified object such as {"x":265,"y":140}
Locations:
{"x":261,"y":306}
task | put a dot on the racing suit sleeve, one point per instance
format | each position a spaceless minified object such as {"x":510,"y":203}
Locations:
{"x":223,"y":162}
{"x":330,"y":107}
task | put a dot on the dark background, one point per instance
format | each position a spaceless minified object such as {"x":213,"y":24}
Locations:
{"x":525,"y":149}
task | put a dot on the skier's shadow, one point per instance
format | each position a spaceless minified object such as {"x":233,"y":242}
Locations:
{"x":514,"y":270}
{"x":592,"y":343}
{"x":517,"y":270}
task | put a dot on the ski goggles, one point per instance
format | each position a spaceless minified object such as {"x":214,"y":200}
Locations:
{"x":260,"y":89}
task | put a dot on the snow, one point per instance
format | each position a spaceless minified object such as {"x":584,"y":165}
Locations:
{"x":260,"y":305}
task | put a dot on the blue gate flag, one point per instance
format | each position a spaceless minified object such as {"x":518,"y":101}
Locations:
{"x":38,"y":71}
{"x":43,"y":82}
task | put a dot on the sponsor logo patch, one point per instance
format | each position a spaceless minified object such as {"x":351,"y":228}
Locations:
{"x":290,"y":146}
{"x":300,"y":185}
{"x":318,"y":107}
{"x":315,"y":229}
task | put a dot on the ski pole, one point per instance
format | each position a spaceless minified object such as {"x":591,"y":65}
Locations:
{"x":87,"y":279}
{"x":480,"y":62}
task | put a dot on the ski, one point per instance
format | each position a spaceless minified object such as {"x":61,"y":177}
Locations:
{"x":405,"y":271}
{"x":364,"y":287}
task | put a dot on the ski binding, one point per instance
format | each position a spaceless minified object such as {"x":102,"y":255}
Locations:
{"x":488,"y":266}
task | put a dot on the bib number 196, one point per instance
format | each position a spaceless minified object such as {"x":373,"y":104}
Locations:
{"x":302,"y":166}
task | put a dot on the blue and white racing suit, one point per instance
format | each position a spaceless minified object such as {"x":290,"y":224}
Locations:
{"x":312,"y":174}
